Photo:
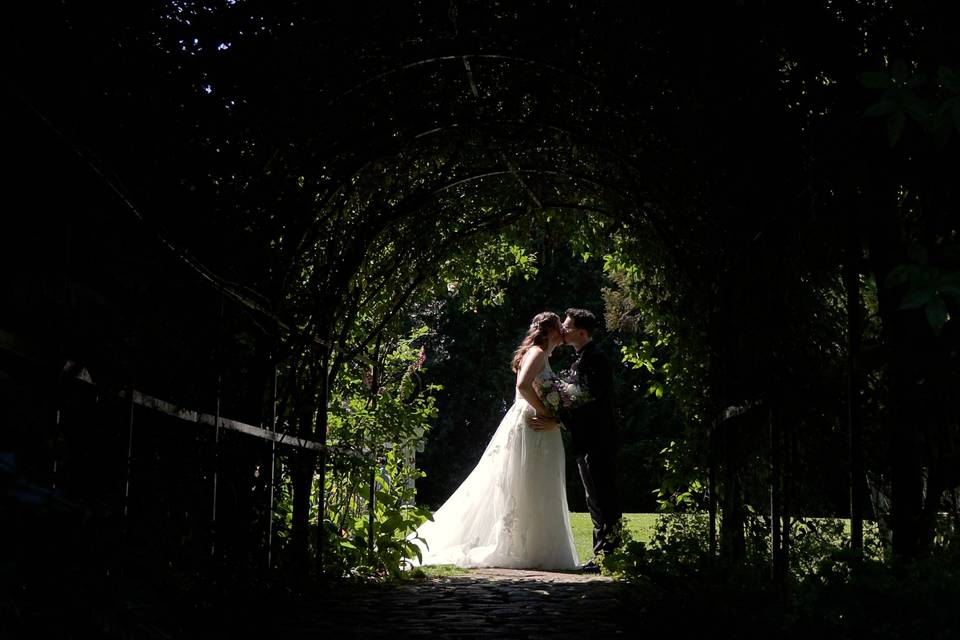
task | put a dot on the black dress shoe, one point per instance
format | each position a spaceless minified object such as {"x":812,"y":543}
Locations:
{"x":590,"y":567}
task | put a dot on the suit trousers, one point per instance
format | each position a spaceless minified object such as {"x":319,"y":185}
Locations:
{"x":598,"y":473}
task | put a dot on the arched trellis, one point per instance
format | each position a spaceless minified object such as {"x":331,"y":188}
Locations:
{"x":348,"y":150}
{"x":417,"y":205}
{"x":349,"y":128}
{"x":465,"y":58}
{"x":623,"y":206}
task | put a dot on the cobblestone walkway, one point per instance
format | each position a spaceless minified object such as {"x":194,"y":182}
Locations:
{"x":487,"y":603}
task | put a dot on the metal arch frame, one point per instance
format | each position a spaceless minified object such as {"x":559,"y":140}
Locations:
{"x":462,"y":57}
{"x":392,"y":150}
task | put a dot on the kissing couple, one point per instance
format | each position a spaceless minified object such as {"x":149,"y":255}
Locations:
{"x":511,"y":511}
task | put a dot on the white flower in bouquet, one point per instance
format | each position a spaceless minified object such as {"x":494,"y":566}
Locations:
{"x":572,"y":395}
{"x":552,"y":401}
{"x":548,"y":393}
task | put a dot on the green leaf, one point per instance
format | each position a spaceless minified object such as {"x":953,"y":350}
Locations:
{"x":881,"y":108}
{"x":413,"y":550}
{"x":916,"y":81}
{"x":899,"y":72}
{"x":898,"y":275}
{"x":948,"y":284}
{"x":917,"y":110}
{"x":916,"y":298}
{"x":950,"y":290}
{"x":895,"y":127}
{"x":937,"y":314}
{"x":875,"y":80}
{"x":391,"y":524}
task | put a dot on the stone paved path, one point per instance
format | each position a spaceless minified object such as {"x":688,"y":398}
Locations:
{"x":487,"y":603}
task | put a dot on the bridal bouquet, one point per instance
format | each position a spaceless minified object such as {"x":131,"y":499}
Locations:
{"x":572,"y":393}
{"x":550,"y":394}
{"x":564,"y":392}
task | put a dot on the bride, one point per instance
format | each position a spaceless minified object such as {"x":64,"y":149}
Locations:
{"x":511,"y":511}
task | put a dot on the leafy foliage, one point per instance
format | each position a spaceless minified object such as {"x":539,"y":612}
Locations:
{"x":378,"y":416}
{"x":749,"y":198}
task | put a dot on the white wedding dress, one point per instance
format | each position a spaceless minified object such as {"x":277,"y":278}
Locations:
{"x":511,"y":511}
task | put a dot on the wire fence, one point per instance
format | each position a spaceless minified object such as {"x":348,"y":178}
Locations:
{"x":183,"y":483}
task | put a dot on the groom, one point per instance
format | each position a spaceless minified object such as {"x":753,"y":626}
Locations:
{"x":594,"y":434}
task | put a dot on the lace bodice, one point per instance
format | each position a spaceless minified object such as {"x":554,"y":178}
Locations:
{"x":547,"y":371}
{"x":545,"y":374}
{"x":541,"y":386}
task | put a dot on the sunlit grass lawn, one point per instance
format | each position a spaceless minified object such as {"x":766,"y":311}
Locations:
{"x":639,"y":524}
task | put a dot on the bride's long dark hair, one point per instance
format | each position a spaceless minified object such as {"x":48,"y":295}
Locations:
{"x":537,"y":334}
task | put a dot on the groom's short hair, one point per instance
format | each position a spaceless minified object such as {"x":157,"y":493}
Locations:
{"x":583,"y":319}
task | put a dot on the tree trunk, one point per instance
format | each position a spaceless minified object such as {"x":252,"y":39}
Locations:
{"x":732,"y":541}
{"x":304,"y":466}
{"x":904,"y":454}
{"x":851,"y":280}
{"x":905,"y":422}
{"x":907,"y":486}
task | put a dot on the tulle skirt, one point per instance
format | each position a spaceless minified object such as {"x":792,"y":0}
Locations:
{"x":511,"y":511}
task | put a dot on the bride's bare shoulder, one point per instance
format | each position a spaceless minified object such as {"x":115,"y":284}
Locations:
{"x":533,"y":355}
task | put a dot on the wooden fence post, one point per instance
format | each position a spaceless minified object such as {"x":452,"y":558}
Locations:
{"x":216,"y":432}
{"x":129,"y":467}
{"x":857,"y":490}
{"x":216,"y":467}
{"x":273,"y":466}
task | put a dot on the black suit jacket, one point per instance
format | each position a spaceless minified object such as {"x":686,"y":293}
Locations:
{"x":591,"y":424}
